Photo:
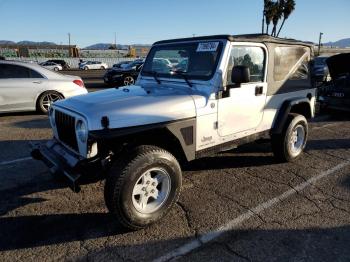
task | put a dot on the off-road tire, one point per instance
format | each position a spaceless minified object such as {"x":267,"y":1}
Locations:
{"x":121,"y":180}
{"x":280,"y":142}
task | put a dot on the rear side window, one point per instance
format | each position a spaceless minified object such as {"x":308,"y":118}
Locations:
{"x":16,"y":71}
{"x":34,"y":74}
{"x":291,"y":63}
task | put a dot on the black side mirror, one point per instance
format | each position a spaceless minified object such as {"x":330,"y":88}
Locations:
{"x":240,"y":74}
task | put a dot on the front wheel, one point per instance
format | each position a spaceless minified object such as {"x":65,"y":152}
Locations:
{"x":86,"y":68}
{"x":290,"y":144}
{"x":141,"y":188}
{"x":55,"y":69}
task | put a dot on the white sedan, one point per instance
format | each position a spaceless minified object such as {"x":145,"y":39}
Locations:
{"x":52,"y":66}
{"x":93,"y":65}
{"x":29,"y":87}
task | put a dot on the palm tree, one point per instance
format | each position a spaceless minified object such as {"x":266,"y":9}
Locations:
{"x":277,"y":11}
{"x":288,"y":8}
{"x":268,"y":11}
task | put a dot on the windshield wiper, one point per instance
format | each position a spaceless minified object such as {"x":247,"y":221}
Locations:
{"x":154,"y":74}
{"x":183,"y":74}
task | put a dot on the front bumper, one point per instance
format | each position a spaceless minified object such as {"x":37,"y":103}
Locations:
{"x":60,"y":161}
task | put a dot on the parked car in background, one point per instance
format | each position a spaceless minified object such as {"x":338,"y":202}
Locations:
{"x":52,"y":66}
{"x":61,"y":62}
{"x":164,"y":61}
{"x":121,"y":64}
{"x":335,"y":94}
{"x":319,"y":69}
{"x":29,"y":87}
{"x":123,"y":76}
{"x":182,"y":66}
{"x":92,"y":65}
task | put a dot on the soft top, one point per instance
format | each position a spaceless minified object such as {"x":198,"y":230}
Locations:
{"x":261,"y":38}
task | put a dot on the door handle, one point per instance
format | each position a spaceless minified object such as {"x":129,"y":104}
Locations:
{"x":259,"y":90}
{"x":37,"y":82}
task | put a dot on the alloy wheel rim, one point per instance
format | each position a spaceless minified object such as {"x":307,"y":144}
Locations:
{"x":128,"y":81}
{"x":297,"y":140}
{"x":48,"y":99}
{"x":151,"y":190}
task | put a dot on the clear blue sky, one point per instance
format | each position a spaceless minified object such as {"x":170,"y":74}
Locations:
{"x":146,"y":21}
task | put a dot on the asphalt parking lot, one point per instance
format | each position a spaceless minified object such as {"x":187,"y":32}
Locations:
{"x":239,"y":205}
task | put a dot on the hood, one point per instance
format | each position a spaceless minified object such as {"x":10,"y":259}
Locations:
{"x":338,"y":65}
{"x":132,"y":106}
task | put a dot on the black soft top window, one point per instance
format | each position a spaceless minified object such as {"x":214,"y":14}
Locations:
{"x":201,"y":59}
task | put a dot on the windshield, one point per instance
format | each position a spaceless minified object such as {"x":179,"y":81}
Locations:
{"x":131,"y":65}
{"x":197,"y":60}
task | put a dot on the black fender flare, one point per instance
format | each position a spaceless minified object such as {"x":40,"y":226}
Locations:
{"x":284,"y":111}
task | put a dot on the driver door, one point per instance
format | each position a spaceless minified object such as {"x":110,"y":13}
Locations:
{"x":241,"y":108}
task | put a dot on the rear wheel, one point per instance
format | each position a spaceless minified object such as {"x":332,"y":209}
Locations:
{"x":141,"y":189}
{"x":46,"y":99}
{"x":86,"y":68}
{"x":102,"y":68}
{"x":55,"y":69}
{"x":290,"y":144}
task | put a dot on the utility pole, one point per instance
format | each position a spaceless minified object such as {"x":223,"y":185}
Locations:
{"x":115,"y":40}
{"x":69,"y":44}
{"x":319,"y":43}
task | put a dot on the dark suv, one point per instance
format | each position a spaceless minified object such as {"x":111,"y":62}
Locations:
{"x":336,"y":93}
{"x":63,"y":63}
{"x":123,"y":76}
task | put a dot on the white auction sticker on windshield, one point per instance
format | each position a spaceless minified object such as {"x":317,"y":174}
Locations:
{"x":207,"y":47}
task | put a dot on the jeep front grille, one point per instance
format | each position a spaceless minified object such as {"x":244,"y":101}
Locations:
{"x":65,"y":125}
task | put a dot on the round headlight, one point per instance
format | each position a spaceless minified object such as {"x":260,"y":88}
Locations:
{"x":81,"y":131}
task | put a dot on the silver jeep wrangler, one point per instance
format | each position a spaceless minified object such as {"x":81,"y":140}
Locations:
{"x":222,"y":91}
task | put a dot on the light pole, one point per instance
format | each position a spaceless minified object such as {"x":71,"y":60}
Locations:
{"x":69,"y":44}
{"x":115,"y":40}
{"x":319,"y":44}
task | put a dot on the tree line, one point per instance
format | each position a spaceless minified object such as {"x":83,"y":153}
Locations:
{"x":274,"y":11}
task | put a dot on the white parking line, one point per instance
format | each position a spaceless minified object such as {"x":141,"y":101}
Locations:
{"x":205,"y":238}
{"x":15,"y":161}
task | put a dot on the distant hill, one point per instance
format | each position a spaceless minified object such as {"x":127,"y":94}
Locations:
{"x":6,"y":42}
{"x":34,"y":43}
{"x":104,"y":46}
{"x":340,"y":43}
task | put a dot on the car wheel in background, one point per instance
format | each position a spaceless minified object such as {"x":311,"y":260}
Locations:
{"x":102,"y":68}
{"x":86,"y":68}
{"x":46,"y":99}
{"x":128,"y":80}
{"x":55,"y":69}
